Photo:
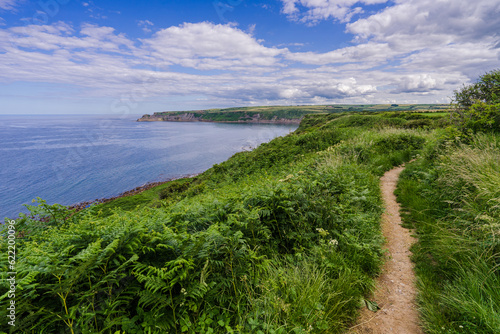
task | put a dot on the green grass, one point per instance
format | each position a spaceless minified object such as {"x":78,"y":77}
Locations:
{"x":150,"y":197}
{"x":282,"y":239}
{"x":451,"y":195}
{"x":244,"y":114}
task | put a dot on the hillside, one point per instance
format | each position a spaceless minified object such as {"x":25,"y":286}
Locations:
{"x":282,"y":239}
{"x":279,"y":114}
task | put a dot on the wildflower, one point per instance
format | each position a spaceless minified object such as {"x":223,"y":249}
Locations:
{"x":183,"y":291}
{"x":333,"y":242}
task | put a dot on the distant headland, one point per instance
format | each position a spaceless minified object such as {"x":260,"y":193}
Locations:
{"x":278,"y":114}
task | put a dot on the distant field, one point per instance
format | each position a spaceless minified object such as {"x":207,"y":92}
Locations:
{"x":331,"y":108}
{"x":343,"y":107}
{"x":284,"y":113}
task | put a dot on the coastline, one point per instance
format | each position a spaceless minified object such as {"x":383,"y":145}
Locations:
{"x":199,"y":117}
{"x":137,"y":190}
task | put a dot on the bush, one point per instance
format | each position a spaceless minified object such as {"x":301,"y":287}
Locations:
{"x":476,"y":108}
{"x":419,"y":123}
{"x":175,"y":187}
{"x":486,"y":89}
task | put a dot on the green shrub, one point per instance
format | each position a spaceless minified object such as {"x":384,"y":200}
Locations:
{"x":419,"y":123}
{"x":476,"y":107}
{"x":174,"y":188}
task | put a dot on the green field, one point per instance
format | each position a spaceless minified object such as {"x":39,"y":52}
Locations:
{"x":245,"y":114}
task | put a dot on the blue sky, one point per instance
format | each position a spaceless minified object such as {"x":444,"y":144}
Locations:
{"x":137,"y":57}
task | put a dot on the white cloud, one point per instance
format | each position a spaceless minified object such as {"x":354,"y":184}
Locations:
{"x":411,"y":52}
{"x":60,"y":36}
{"x":423,"y":83}
{"x":145,"y":25}
{"x":251,"y":29}
{"x":426,"y":46}
{"x":441,"y":36}
{"x":207,"y":46}
{"x":313,"y":11}
{"x":459,"y":20}
{"x":106,"y":63}
{"x":370,"y":53}
{"x":10,"y":4}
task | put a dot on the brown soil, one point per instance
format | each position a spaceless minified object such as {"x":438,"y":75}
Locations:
{"x":395,"y":291}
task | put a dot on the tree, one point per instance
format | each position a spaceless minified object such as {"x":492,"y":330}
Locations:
{"x":476,"y":107}
{"x":486,"y":89}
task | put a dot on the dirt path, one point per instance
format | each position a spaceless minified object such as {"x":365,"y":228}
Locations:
{"x":395,"y":293}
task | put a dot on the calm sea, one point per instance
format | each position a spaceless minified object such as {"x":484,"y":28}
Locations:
{"x":71,"y":159}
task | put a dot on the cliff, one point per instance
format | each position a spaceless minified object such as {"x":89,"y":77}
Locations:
{"x":218,"y":117}
{"x":279,"y":114}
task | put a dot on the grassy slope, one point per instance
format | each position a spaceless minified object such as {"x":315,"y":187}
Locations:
{"x":452,"y":197}
{"x":296,"y":112}
{"x":282,"y":239}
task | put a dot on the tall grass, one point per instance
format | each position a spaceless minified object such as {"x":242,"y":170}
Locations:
{"x":452,"y":196}
{"x":302,"y":297}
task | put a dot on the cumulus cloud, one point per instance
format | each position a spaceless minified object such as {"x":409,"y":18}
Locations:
{"x":313,"y":11}
{"x":411,"y":52}
{"x":444,"y":36}
{"x":207,"y":46}
{"x":422,"y":83}
{"x":461,"y":19}
{"x":427,"y":46}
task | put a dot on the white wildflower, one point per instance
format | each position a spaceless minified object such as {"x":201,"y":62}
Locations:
{"x":333,"y":242}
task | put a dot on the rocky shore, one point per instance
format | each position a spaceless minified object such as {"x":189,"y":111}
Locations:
{"x":82,"y":205}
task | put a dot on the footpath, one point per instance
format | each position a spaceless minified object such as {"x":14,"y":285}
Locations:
{"x":395,"y":291}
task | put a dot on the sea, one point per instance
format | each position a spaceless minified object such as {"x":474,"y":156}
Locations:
{"x":69,"y":159}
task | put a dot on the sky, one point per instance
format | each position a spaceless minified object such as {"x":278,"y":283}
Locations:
{"x":138,"y":57}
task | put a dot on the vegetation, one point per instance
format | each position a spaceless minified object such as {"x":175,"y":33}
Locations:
{"x":452,"y":196}
{"x":245,"y":114}
{"x":477,"y":106}
{"x":282,"y":239}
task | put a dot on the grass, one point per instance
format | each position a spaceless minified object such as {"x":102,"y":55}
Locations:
{"x":282,"y":239}
{"x":150,"y":197}
{"x":244,"y":114}
{"x":451,"y":195}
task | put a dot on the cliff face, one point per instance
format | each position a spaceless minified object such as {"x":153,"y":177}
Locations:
{"x":157,"y":117}
{"x":199,"y":117}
